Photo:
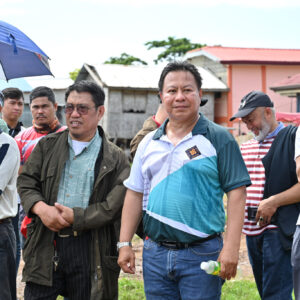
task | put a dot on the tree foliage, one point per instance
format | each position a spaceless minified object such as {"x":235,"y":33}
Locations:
{"x":125,"y":59}
{"x":73,"y":75}
{"x":174,"y":48}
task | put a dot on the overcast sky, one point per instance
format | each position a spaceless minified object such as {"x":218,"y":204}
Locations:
{"x":73,"y":32}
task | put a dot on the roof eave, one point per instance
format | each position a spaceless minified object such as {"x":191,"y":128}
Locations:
{"x":258,"y":62}
{"x":190,"y":55}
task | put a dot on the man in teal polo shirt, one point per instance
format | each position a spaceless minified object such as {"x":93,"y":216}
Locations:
{"x":177,"y":181}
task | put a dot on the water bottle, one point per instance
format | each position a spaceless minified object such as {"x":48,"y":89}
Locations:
{"x":211,"y":267}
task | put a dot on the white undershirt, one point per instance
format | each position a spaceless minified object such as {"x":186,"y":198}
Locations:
{"x":78,"y":146}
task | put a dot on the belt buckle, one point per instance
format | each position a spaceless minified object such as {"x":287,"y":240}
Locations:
{"x":74,"y":233}
{"x":63,"y":235}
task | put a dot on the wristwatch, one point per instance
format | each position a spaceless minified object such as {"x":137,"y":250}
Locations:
{"x":123,"y":244}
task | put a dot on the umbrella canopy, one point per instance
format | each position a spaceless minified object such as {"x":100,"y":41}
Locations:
{"x":19,"y":55}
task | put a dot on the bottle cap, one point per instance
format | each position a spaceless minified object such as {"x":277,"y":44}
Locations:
{"x":204,"y":265}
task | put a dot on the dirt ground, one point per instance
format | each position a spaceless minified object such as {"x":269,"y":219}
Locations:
{"x":244,"y":268}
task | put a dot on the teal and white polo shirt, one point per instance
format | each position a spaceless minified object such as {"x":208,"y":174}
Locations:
{"x":183,"y":185}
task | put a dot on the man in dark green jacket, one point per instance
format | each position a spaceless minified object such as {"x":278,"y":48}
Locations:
{"x":72,"y":187}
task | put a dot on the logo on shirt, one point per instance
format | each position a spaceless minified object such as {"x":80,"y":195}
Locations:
{"x":193,"y":152}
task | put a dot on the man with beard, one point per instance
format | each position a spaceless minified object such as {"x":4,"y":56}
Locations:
{"x":271,"y":207}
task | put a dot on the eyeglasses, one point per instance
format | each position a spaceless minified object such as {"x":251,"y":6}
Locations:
{"x":80,"y":108}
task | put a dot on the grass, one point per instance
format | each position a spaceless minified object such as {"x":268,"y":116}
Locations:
{"x":133,"y":289}
{"x":240,"y":290}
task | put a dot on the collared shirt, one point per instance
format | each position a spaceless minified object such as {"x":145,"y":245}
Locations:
{"x":77,"y":178}
{"x":15,"y":131}
{"x":9,"y":167}
{"x":27,"y":140}
{"x":253,"y":152}
{"x":183,"y":185}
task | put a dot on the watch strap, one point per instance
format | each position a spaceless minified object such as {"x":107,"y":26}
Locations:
{"x":123,"y":244}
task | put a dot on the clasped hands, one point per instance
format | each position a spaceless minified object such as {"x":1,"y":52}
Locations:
{"x":54,"y":217}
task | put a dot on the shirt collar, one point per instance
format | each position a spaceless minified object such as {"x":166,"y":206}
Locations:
{"x":275,"y":132}
{"x":199,"y":128}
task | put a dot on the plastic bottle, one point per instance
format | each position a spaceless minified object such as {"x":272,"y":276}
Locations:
{"x":211,"y":267}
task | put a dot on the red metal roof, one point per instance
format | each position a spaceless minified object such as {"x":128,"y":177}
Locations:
{"x":233,"y":55}
{"x":290,"y":81}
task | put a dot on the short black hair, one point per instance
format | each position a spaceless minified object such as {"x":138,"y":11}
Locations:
{"x":42,"y":91}
{"x":179,"y":66}
{"x":12,"y":93}
{"x":94,"y":89}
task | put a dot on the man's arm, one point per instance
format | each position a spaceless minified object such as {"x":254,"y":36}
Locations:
{"x":229,"y":255}
{"x":29,"y":187}
{"x":9,"y":160}
{"x":268,"y":207}
{"x":131,"y":216}
{"x":298,"y":168}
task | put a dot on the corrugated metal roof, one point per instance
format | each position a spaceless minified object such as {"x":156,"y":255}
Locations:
{"x":49,"y":81}
{"x":19,"y":83}
{"x":146,"y":77}
{"x":247,"y":55}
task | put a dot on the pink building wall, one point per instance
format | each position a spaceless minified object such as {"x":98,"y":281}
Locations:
{"x":246,"y":78}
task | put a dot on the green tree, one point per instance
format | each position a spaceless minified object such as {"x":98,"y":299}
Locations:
{"x":73,"y":75}
{"x":174,"y":48}
{"x":125,"y":59}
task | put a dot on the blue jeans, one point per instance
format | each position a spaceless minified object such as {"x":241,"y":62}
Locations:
{"x":15,"y":222}
{"x":176,"y":274}
{"x":271,"y":265}
{"x":7,"y":262}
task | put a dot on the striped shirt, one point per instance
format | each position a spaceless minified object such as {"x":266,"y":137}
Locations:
{"x":253,"y":152}
{"x":27,"y":140}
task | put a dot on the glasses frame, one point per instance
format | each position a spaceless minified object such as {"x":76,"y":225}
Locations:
{"x":80,"y":108}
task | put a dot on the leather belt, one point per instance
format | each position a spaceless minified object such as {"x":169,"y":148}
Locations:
{"x":6,"y":220}
{"x":179,"y":245}
{"x":68,"y":231}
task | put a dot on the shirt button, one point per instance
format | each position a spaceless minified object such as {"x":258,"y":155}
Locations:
{"x":104,"y":167}
{"x":67,"y":195}
{"x":71,"y":176}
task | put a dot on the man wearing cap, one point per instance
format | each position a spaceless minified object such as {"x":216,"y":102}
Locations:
{"x":272,"y":200}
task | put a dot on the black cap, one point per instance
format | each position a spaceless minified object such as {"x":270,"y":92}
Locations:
{"x":250,"y":102}
{"x":203,"y":102}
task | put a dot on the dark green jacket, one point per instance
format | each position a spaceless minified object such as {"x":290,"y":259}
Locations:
{"x":40,"y":179}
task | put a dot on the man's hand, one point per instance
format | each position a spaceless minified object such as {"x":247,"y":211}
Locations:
{"x":66,"y":212}
{"x":126,"y":259}
{"x":265,"y":211}
{"x":50,"y":216}
{"x":229,"y":260}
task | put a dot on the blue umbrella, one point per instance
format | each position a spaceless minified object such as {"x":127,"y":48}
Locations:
{"x":19,"y":55}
